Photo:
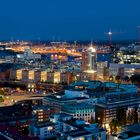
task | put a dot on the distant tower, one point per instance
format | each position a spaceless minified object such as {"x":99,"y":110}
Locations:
{"x":110,"y":37}
{"x":89,"y":59}
{"x":110,"y":33}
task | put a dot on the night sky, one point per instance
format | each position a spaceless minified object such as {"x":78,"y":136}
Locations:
{"x":68,"y":19}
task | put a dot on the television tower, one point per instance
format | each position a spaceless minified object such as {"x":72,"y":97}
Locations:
{"x":110,"y":33}
{"x":110,"y":37}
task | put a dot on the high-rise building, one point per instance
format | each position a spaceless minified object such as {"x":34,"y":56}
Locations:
{"x":89,"y":60}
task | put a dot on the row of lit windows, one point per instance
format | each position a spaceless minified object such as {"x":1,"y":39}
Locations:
{"x":31,"y":75}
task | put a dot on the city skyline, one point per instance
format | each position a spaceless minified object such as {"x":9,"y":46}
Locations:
{"x":71,"y":20}
{"x":69,"y":69}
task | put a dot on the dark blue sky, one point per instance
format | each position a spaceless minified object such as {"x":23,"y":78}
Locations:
{"x":68,"y":19}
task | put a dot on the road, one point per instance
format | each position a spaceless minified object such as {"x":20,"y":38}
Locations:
{"x":11,"y":99}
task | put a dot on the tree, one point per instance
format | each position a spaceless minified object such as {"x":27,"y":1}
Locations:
{"x":135,"y":78}
{"x":111,"y":78}
{"x":113,"y":125}
{"x":1,"y":99}
{"x":126,"y":78}
{"x":1,"y":92}
{"x":118,"y":78}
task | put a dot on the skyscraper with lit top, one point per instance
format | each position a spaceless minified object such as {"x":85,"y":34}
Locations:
{"x":89,"y":60}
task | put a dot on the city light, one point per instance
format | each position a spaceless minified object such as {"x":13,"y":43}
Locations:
{"x":64,"y":75}
{"x":90,"y":71}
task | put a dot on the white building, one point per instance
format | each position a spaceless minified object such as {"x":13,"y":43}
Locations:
{"x":92,"y":58}
{"x":77,"y":129}
{"x":80,"y":111}
{"x":89,"y":59}
{"x":28,"y":55}
{"x":123,"y":69}
{"x":42,"y":130}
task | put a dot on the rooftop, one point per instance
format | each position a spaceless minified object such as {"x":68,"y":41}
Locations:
{"x":43,"y":124}
{"x":74,"y":122}
{"x":78,"y":133}
{"x":61,"y":115}
{"x":63,"y":98}
{"x":88,"y":84}
{"x":42,"y":107}
{"x":119,"y":103}
{"x":127,"y":134}
{"x":134,"y":127}
{"x":78,"y":106}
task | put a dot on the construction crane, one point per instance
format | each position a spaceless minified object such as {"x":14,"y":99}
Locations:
{"x":110,"y":34}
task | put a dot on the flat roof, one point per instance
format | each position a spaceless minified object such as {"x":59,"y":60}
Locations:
{"x":134,"y":127}
{"x":79,"y":105}
{"x":43,"y":124}
{"x":61,"y":115}
{"x":128,"y":134}
{"x":79,"y":133}
{"x":119,"y":103}
{"x":73,"y":122}
{"x":42,"y":107}
{"x":90,"y":84}
{"x":63,"y":98}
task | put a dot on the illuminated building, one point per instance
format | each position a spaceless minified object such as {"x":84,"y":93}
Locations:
{"x":31,"y":87}
{"x":53,"y":77}
{"x":106,"y":112}
{"x":76,"y":129}
{"x":43,"y":76}
{"x":117,"y":102}
{"x":56,"y":77}
{"x":102,"y":71}
{"x":31,"y":75}
{"x":127,"y":55}
{"x":28,"y":75}
{"x":59,"y":57}
{"x":28,"y":55}
{"x":123,"y":69}
{"x":59,"y":100}
{"x":80,"y":135}
{"x":71,"y":96}
{"x":43,"y":130}
{"x":80,"y":111}
{"x":89,"y":60}
{"x":19,"y":74}
{"x":43,"y":112}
